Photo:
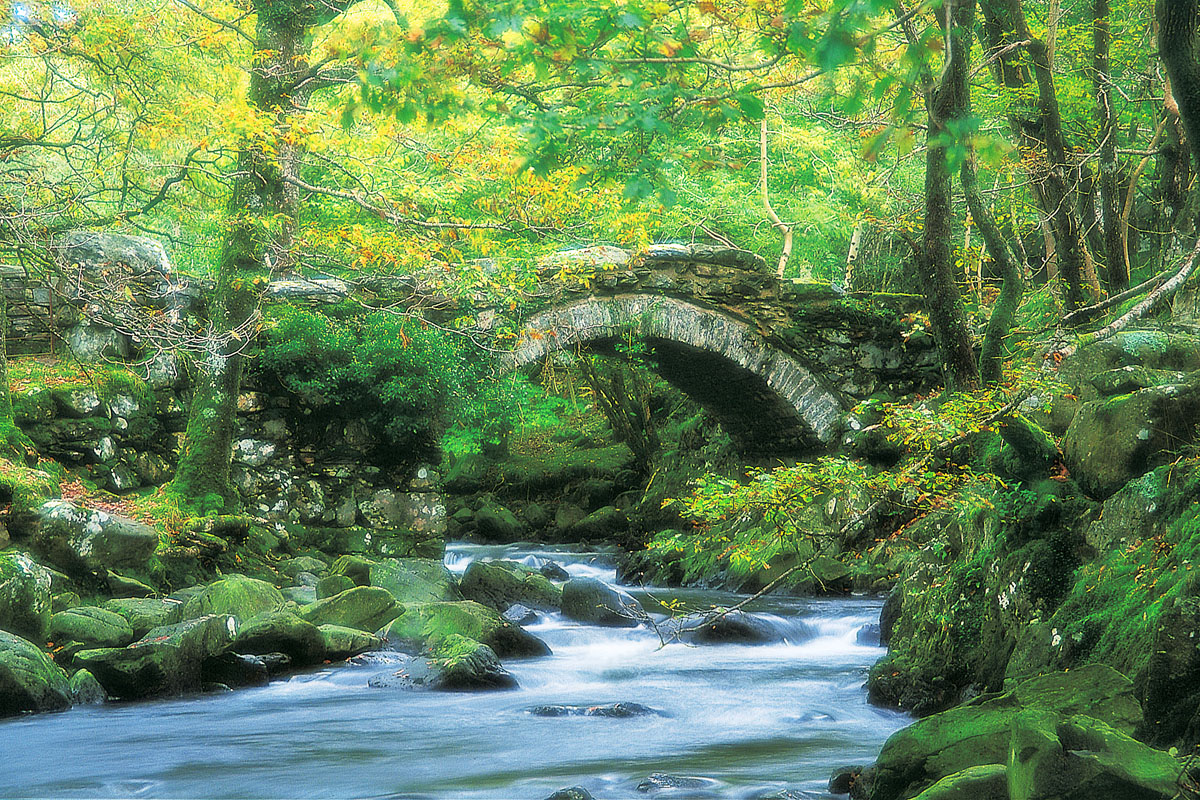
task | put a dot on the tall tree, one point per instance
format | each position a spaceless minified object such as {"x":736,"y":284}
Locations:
{"x":261,"y":222}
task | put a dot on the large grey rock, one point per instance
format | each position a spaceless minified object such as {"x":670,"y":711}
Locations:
{"x":29,"y":680}
{"x":24,"y":595}
{"x":85,"y":541}
{"x":594,"y":601}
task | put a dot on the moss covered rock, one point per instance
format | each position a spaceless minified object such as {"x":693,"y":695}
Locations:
{"x":932,"y":748}
{"x":88,"y":542}
{"x":453,"y":664}
{"x":495,"y":523}
{"x":237,"y":595}
{"x":341,"y":642}
{"x":24,"y":595}
{"x":365,"y":608}
{"x":356,"y":568}
{"x":281,"y":632}
{"x":415,"y":580}
{"x":423,"y":624}
{"x":29,"y":680}
{"x":85,"y":689}
{"x":500,"y":584}
{"x":90,"y":626}
{"x":330,"y":585}
{"x":1079,"y":758}
{"x":1117,"y":439}
{"x":144,"y":613}
{"x":986,"y":782}
{"x":167,"y":661}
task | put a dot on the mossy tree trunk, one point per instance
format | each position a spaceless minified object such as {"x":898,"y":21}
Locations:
{"x":261,"y":222}
{"x":948,"y":103}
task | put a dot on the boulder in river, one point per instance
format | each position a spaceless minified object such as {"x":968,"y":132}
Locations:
{"x":29,"y":680}
{"x":554,"y":571}
{"x":281,"y":632}
{"x":736,"y":627}
{"x":167,"y":661}
{"x":500,"y":584}
{"x":424,"y":624}
{"x":367,"y":608}
{"x":571,"y":793}
{"x":235,"y":670}
{"x":454,"y":664}
{"x":85,"y":689}
{"x":609,"y":710}
{"x":592,"y":600}
{"x":24,"y":595}
{"x":90,"y":626}
{"x":237,"y":595}
{"x":518,"y":614}
{"x":659,"y":781}
{"x":415,"y":580}
{"x":341,"y":642}
{"x":144,"y":613}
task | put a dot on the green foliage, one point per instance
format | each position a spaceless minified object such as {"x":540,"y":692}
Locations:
{"x":401,"y":376}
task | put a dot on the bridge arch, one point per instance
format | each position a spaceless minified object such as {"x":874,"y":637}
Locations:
{"x":767,"y":400}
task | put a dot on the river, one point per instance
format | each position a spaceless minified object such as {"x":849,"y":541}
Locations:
{"x":747,"y":720}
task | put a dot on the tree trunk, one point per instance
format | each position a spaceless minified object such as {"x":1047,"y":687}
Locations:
{"x":261,"y":212}
{"x":1007,"y":23}
{"x":947,"y":102}
{"x":1178,"y":41}
{"x":1110,"y":203}
{"x":1003,"y":318}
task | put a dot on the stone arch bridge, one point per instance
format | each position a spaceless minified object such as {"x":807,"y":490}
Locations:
{"x":778,"y":362}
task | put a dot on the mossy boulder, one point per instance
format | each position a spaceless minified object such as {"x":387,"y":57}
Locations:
{"x":415,"y":580}
{"x":25,"y":599}
{"x":84,"y":541}
{"x":144,"y":613}
{"x":423,"y":624}
{"x":294,"y":566}
{"x":977,"y":734}
{"x":167,"y":661}
{"x":29,"y":680}
{"x":237,"y":595}
{"x":1114,"y":440}
{"x":452,"y":664}
{"x":281,"y":632}
{"x":85,"y":689}
{"x":603,"y":524}
{"x":90,"y":626}
{"x":341,"y":642}
{"x":594,"y":601}
{"x":495,"y":523}
{"x":330,"y":585}
{"x":500,"y":584}
{"x":356,"y":568}
{"x":1080,"y":758}
{"x":365,"y":608}
{"x":985,"y":782}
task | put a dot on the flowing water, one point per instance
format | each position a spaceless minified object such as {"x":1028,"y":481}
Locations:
{"x":748,"y":720}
